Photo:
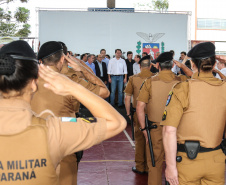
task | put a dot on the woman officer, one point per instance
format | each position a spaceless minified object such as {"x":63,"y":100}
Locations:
{"x":194,"y":122}
{"x":30,"y":152}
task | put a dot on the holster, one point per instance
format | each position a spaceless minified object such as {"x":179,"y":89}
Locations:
{"x":192,"y":148}
{"x":151,"y":125}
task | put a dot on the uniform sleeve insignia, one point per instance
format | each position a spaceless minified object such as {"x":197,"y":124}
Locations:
{"x":90,"y":120}
{"x":68,"y":119}
{"x":164,"y":115}
{"x":169,"y":98}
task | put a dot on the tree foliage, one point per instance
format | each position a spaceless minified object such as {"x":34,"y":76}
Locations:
{"x":14,"y":24}
{"x":8,"y":1}
{"x":161,"y":5}
{"x":22,"y":15}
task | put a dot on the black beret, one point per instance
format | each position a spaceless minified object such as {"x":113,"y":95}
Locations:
{"x":147,"y":57}
{"x":18,"y":48}
{"x":14,"y":50}
{"x":48,"y":49}
{"x":202,"y":50}
{"x":165,"y":57}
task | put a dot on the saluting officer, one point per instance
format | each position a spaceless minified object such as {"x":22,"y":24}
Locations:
{"x":154,"y":93}
{"x":51,"y":54}
{"x":132,"y":89}
{"x":30,"y":152}
{"x":194,"y":123}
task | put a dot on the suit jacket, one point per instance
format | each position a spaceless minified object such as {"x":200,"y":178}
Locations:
{"x":104,"y":66}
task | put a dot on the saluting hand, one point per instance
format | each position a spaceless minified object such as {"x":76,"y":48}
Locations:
{"x":177,"y":63}
{"x":72,"y":62}
{"x":56,"y":82}
{"x":221,"y":58}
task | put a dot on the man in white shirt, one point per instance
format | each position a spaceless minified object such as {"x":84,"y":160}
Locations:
{"x":116,"y":70}
{"x":175,"y":68}
{"x":136,"y":65}
{"x":221,"y":65}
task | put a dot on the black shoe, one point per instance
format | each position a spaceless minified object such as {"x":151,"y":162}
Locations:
{"x":136,"y":171}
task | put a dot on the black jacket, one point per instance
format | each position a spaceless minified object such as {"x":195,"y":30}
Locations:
{"x":104,"y":66}
{"x":129,"y":68}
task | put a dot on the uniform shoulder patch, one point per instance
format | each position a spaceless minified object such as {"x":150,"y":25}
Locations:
{"x":169,"y":98}
{"x":68,"y":119}
{"x":90,"y":120}
{"x":164,"y":115}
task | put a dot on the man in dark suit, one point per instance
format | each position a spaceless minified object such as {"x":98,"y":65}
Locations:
{"x":101,"y":69}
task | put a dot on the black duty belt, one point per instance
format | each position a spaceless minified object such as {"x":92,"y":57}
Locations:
{"x":181,"y":148}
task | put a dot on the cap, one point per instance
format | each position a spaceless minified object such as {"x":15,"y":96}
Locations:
{"x":18,"y":48}
{"x":202,"y":50}
{"x":147,"y":57}
{"x":48,"y":49}
{"x":165,"y":57}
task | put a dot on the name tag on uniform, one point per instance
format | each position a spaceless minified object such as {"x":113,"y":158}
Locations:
{"x":68,"y":119}
{"x":90,"y":120}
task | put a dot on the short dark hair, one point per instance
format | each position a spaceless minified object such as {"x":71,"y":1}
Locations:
{"x":25,"y":71}
{"x":138,"y":56}
{"x":183,"y":52}
{"x":90,"y":56}
{"x":82,"y":55}
{"x":145,"y":53}
{"x":108,"y":56}
{"x":118,"y":50}
{"x":53,"y":59}
{"x":129,"y":52}
{"x":102,"y":50}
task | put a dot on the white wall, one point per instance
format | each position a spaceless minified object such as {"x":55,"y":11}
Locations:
{"x":91,"y":31}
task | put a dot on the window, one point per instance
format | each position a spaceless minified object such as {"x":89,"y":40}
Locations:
{"x":211,"y":24}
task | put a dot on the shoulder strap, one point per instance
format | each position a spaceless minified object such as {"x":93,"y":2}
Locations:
{"x":37,"y":121}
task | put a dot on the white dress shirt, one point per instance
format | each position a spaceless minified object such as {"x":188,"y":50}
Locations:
{"x":117,"y":67}
{"x":100,"y":67}
{"x":136,"y":68}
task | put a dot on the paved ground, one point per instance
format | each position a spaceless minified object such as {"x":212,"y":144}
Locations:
{"x":110,"y":162}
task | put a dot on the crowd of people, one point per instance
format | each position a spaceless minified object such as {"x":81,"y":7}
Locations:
{"x":115,"y":72}
{"x":175,"y":101}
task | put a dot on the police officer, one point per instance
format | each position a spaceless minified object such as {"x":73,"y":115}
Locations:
{"x":132,"y":90}
{"x":31,"y":152}
{"x":194,"y":123}
{"x":51,"y":54}
{"x":154,"y":93}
